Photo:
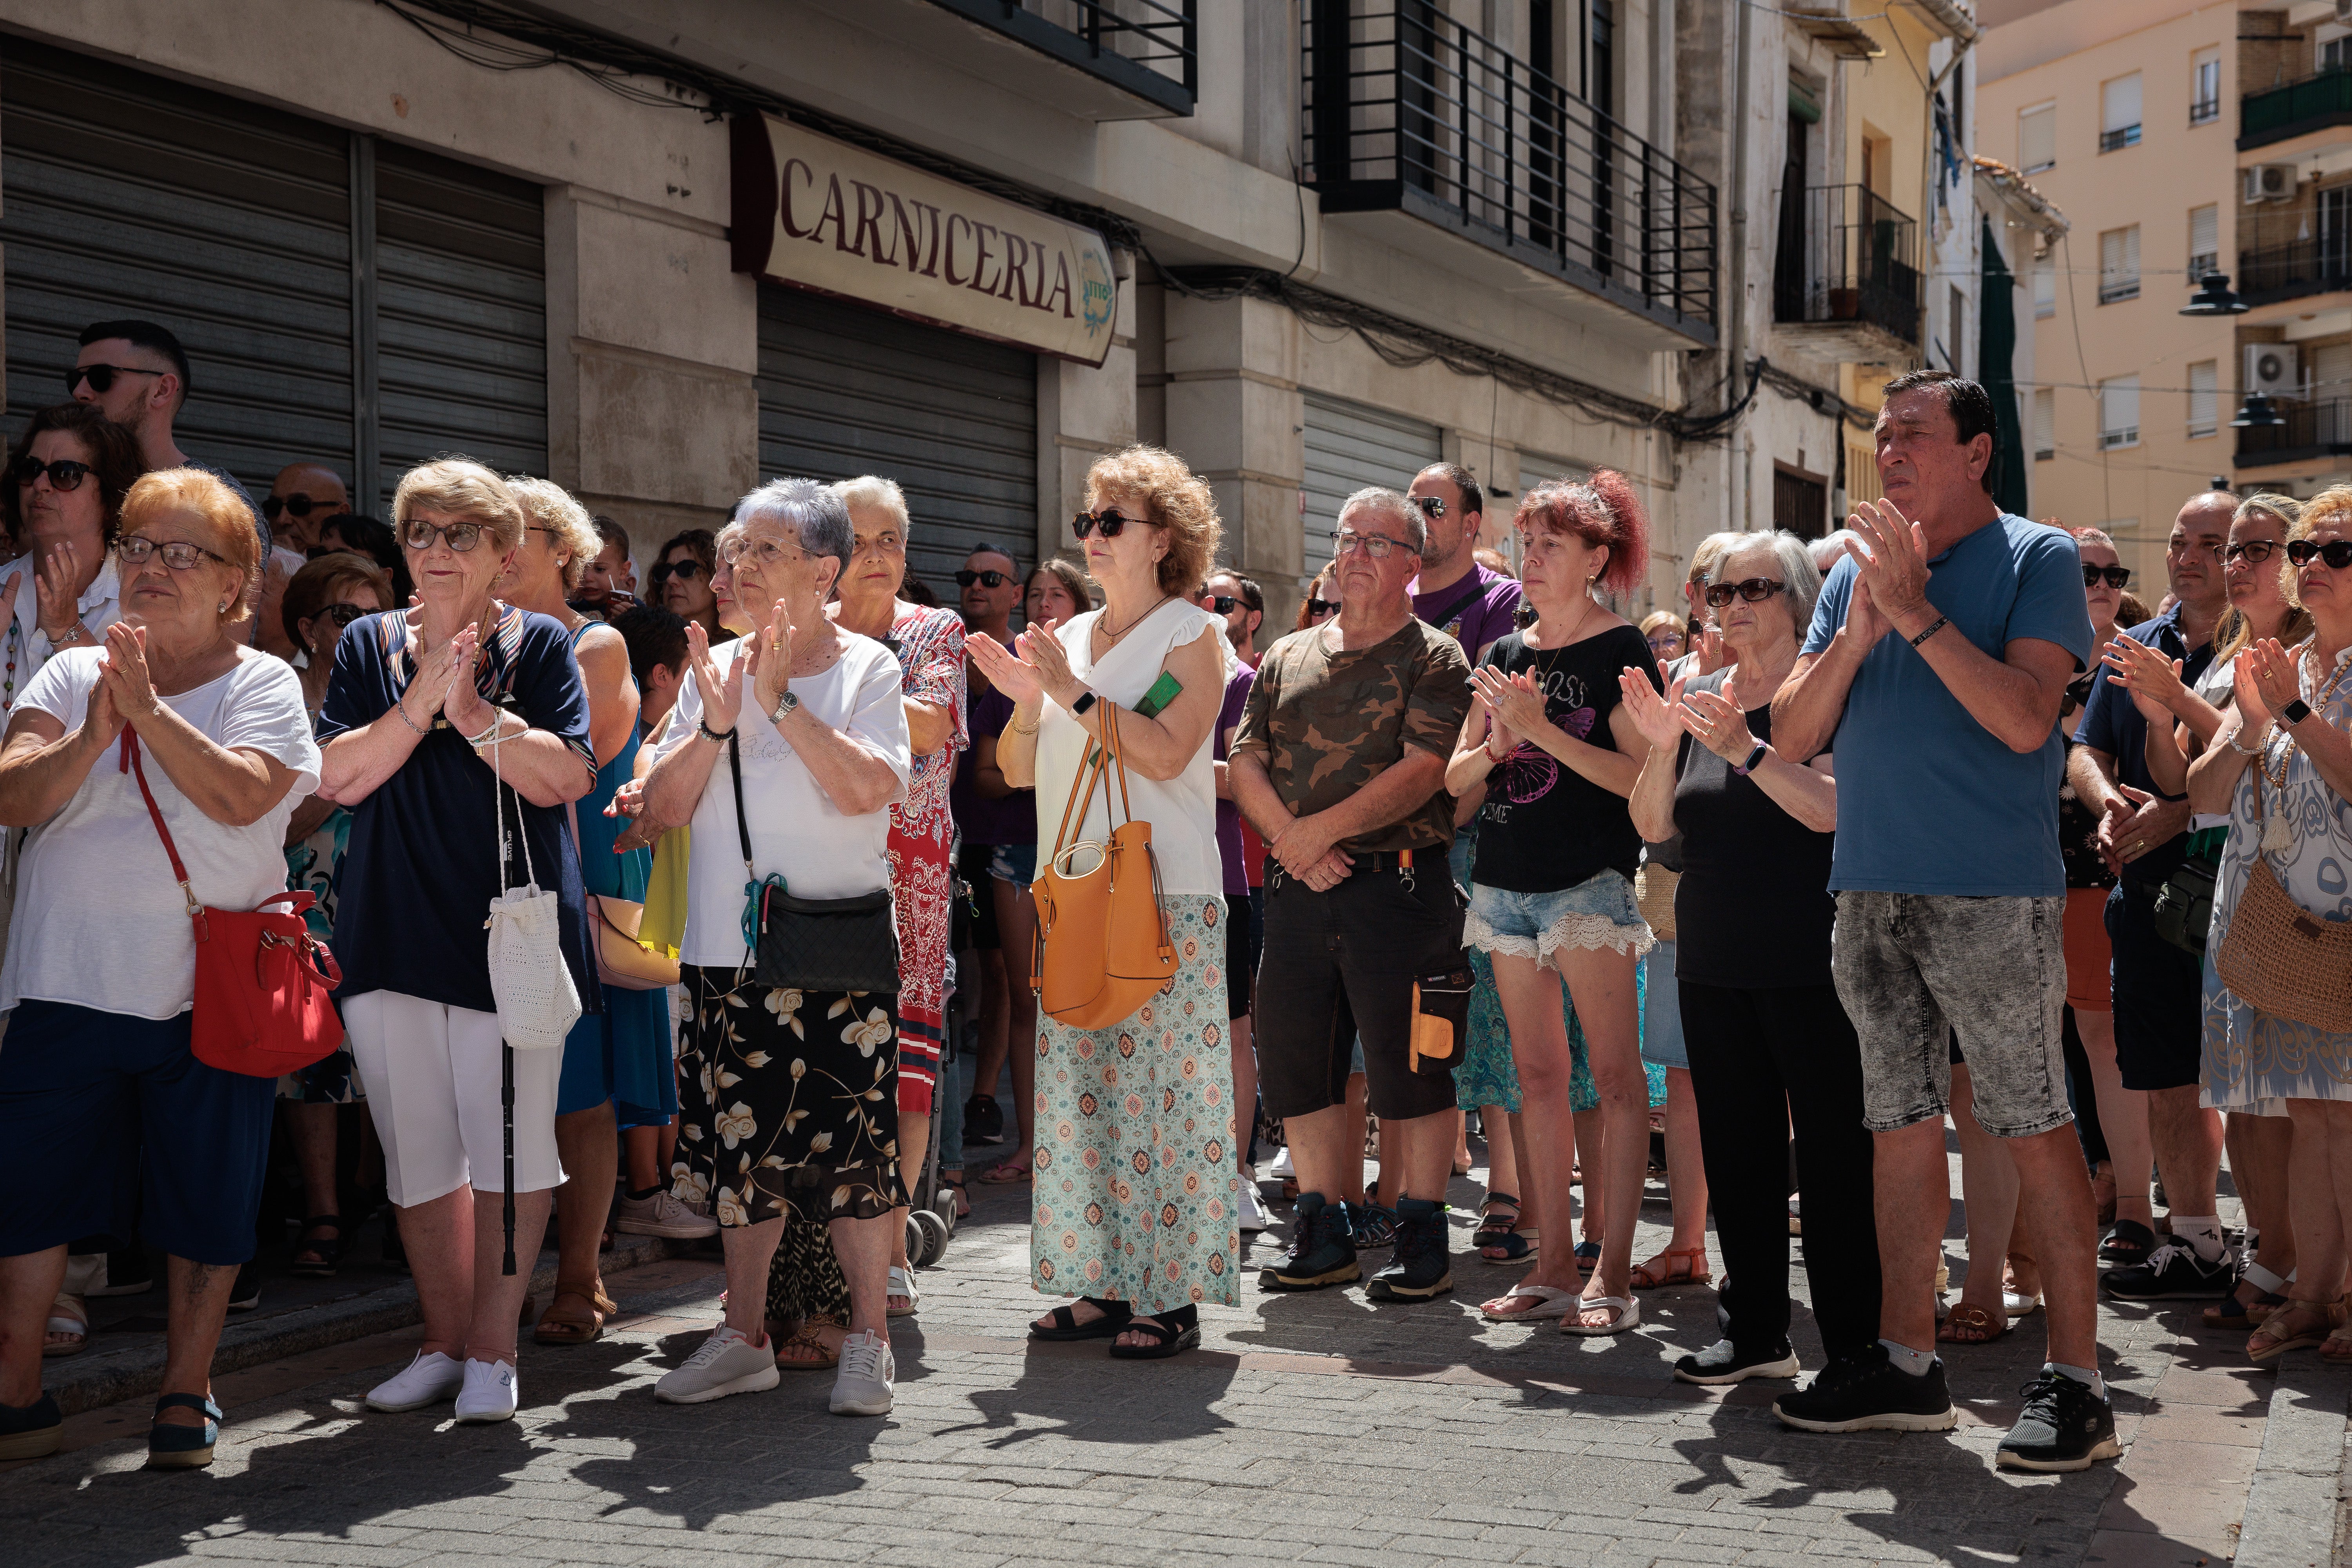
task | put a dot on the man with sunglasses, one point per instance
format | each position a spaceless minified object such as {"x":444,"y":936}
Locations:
{"x":2157,"y":987}
{"x":303,"y":497}
{"x":1453,"y":591}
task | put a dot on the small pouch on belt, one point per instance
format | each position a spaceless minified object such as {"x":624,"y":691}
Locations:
{"x":1441,"y":1017}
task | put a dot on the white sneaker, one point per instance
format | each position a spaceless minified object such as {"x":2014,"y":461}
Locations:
{"x":490,"y":1392}
{"x":1282,"y":1169}
{"x":861,"y":1384}
{"x":661,"y":1214}
{"x":1252,"y":1211}
{"x":726,"y":1363}
{"x":431,"y":1378}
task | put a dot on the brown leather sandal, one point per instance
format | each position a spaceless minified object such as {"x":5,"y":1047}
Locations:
{"x":1970,"y":1324}
{"x":581,"y":1322}
{"x":806,"y":1338}
{"x":1674,"y":1266}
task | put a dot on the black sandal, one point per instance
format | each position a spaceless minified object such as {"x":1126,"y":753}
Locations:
{"x":1110,"y":1325}
{"x":328,"y":1253}
{"x":1489,"y":1232}
{"x":1175,"y":1332}
{"x":2128,"y":1246}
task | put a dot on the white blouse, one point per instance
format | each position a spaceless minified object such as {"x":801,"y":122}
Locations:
{"x":26,"y":648}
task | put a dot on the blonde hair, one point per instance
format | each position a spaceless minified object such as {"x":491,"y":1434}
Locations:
{"x":1656,"y":619}
{"x":2235,"y":630}
{"x":549,"y":505}
{"x":460,"y":486}
{"x":220,"y":511}
{"x":873,"y":491}
{"x":1181,"y":504}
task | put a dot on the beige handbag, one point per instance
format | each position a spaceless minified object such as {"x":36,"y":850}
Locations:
{"x":2280,"y":958}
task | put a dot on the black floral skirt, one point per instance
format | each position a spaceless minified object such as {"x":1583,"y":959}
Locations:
{"x":788,"y":1097}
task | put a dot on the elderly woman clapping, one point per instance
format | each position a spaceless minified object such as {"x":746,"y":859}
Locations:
{"x":98,"y":1079}
{"x":444,"y":725}
{"x":786,"y":751}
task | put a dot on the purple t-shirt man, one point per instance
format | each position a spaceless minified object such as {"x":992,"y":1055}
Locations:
{"x":1493,"y":603}
{"x":1229,"y":815}
{"x":1012,"y":819}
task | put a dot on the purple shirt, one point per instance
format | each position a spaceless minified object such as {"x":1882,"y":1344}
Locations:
{"x":1487,"y":617}
{"x":1229,"y":815}
{"x":1012,"y":820}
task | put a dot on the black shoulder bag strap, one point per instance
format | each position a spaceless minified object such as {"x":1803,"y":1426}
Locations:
{"x":1477,"y":592}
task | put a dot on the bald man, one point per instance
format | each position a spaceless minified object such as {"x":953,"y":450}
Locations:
{"x":304,"y":496}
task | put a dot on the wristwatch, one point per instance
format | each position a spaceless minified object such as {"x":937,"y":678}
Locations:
{"x":2294,"y":713}
{"x":785,"y":704}
{"x":1754,"y":757}
{"x":1084,"y":702}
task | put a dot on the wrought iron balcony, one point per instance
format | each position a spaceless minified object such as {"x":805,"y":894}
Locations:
{"x":1848,"y":269}
{"x":1409,"y":111}
{"x":2318,"y":429}
{"x":2269,"y":273}
{"x":2312,"y":103}
{"x":1149,"y":47}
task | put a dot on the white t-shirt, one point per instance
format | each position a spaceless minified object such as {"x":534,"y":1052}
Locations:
{"x":1183,"y":811}
{"x":103,"y":922}
{"x":797,"y":832}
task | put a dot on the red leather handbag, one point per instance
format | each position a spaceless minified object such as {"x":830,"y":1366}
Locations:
{"x":263,"y":981}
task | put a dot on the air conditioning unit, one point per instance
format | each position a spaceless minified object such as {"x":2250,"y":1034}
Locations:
{"x":2269,"y":182}
{"x":2274,"y":370}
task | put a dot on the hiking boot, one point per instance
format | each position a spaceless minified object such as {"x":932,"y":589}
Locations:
{"x":1722,"y":1363}
{"x":726,"y":1363}
{"x":2174,"y":1272}
{"x":1422,"y":1269}
{"x":1322,"y":1250}
{"x":984,"y":1119}
{"x":1376,"y":1227}
{"x":2064,"y":1425}
{"x":1868,"y":1392}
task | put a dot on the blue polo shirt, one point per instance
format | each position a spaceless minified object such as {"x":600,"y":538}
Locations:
{"x":2113,"y":723}
{"x":1928,"y":800}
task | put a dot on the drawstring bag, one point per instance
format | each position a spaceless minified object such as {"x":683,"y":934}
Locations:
{"x":537,"y":1002}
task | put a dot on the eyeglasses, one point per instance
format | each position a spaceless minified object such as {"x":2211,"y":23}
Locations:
{"x":991,"y":579}
{"x":178,"y":553}
{"x":344,"y":614}
{"x":2115,"y":577}
{"x":101,"y":376}
{"x":684,"y":570}
{"x":1222,"y":604}
{"x":65,"y":474}
{"x":1376,"y":545}
{"x":1432,"y":507}
{"x":1322,"y":606}
{"x":2254,"y":552}
{"x":2336,"y":553}
{"x":1659,"y":640}
{"x":299,"y":505}
{"x":762,"y":552}
{"x":1109,"y":520}
{"x":1756,"y":590}
{"x":459,"y":536}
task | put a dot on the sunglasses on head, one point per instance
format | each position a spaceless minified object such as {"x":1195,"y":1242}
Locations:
{"x":1756,"y":590}
{"x":2254,"y":552}
{"x":65,"y":474}
{"x":1109,"y":520}
{"x":1322,"y":606}
{"x":2115,"y":577}
{"x":101,"y":376}
{"x":299,"y":505}
{"x":2336,"y":553}
{"x":684,"y":570}
{"x":989,"y":579}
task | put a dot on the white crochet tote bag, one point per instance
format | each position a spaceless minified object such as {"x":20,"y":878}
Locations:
{"x":538,"y":1003}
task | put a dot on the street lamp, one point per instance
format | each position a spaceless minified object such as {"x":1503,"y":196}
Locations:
{"x":2256,"y":413}
{"x":2214,"y":299}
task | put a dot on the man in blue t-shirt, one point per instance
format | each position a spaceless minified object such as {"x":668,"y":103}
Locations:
{"x":1938,"y":657}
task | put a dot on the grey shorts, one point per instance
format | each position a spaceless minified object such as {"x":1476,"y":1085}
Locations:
{"x":1912,"y":969}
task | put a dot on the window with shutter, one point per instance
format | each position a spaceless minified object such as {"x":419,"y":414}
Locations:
{"x":2037,"y":138}
{"x":2119,"y":412}
{"x":2204,"y":240}
{"x":2204,"y":398}
{"x":2045,"y":289}
{"x":2119,"y":265}
{"x":2045,"y":424}
{"x":2205,"y":87}
{"x":2120,"y":113}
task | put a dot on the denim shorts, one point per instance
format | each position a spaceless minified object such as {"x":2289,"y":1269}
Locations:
{"x":1662,"y":1016}
{"x":1013,"y":863}
{"x":1597,"y":913}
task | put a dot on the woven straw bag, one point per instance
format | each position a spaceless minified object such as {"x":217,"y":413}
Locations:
{"x":2280,"y":958}
{"x":1653,"y":894}
{"x":537,"y":1002}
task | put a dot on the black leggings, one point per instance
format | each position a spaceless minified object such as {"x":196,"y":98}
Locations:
{"x":1752,"y":1052}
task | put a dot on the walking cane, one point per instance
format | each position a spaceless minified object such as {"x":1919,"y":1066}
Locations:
{"x":505,"y":1095}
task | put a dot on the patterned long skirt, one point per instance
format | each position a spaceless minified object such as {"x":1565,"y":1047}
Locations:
{"x":1134,"y":1180}
{"x":1487,"y":1075}
{"x":921,"y":897}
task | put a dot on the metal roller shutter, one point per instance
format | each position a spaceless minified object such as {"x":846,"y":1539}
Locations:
{"x":845,"y":391}
{"x":1349,"y":446}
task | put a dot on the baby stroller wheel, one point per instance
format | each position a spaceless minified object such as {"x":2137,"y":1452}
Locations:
{"x":935,"y":1234}
{"x":918,"y":1244}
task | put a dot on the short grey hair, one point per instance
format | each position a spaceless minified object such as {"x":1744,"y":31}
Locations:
{"x":813,"y":513}
{"x":873,"y":491}
{"x":1828,"y":551}
{"x":1381,"y":499}
{"x":1797,"y":572}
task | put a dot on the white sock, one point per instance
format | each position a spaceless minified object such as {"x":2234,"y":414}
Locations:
{"x":1915,"y":1362}
{"x":2086,"y":1375}
{"x":2201,"y":1232}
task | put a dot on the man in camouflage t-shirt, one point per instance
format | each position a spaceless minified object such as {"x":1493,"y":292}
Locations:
{"x":1339,"y":764}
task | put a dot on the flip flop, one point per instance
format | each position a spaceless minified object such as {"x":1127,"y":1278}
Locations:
{"x":1004,"y":1174}
{"x":2302,"y":1340}
{"x":1627,"y":1310}
{"x":1113,"y":1322}
{"x":1551,"y":1301}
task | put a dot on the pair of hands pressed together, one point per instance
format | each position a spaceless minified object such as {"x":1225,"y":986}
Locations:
{"x":1891,"y":575}
{"x":767,"y":659}
{"x":1717,"y":720}
{"x":125,"y":692}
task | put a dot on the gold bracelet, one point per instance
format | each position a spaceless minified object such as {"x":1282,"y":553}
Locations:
{"x":1018,"y":728}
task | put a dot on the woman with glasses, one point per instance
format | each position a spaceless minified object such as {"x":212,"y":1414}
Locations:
{"x":1135,"y":1209}
{"x":1322,"y":601}
{"x":445,"y":726}
{"x":1667,"y":639}
{"x":2281,"y":766}
{"x":681,"y":579}
{"x":68,"y":475}
{"x":320,"y":600}
{"x":98,"y":1080}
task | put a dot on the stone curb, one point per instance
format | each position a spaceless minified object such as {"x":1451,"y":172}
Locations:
{"x":91,"y":1380}
{"x":2301,"y":1478}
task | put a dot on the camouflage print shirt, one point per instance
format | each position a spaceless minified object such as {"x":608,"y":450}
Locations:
{"x":1326,"y":723}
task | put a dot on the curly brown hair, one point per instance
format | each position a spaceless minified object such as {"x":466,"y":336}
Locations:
{"x":115,"y":460}
{"x":1180,"y":503}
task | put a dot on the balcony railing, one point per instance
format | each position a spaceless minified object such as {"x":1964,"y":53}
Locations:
{"x":1151,"y":47}
{"x":1408,"y":109}
{"x":2299,"y":267}
{"x":2320,"y":429}
{"x":2276,"y":113}
{"x":1856,"y":259}
{"x":2204,"y":111}
{"x":2116,"y":141}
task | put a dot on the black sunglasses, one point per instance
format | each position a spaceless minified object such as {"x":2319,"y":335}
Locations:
{"x":1756,"y":590}
{"x":2117,"y":578}
{"x":2336,"y":553}
{"x":102,"y":376}
{"x":1322,"y":606}
{"x":344,"y":614}
{"x":1109,"y":519}
{"x":65,"y":474}
{"x":1432,"y":507}
{"x":299,"y":505}
{"x":1224,"y":603}
{"x":2254,"y":551}
{"x":989,"y":579}
{"x":685,"y":571}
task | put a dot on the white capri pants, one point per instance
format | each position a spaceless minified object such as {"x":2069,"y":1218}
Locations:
{"x":432,"y":1073}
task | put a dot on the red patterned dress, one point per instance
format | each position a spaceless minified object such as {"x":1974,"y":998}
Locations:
{"x":929,"y":644}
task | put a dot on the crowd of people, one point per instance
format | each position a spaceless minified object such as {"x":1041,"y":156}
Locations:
{"x":1872,"y":833}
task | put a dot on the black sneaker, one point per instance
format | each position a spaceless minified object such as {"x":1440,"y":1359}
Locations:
{"x":984,"y":1119}
{"x":30,"y":1431}
{"x":1723,"y":1362}
{"x":1868,"y":1392}
{"x":2174,"y":1272}
{"x":2063,"y":1426}
{"x":2128,"y":1246}
{"x":1376,"y":1227}
{"x":245,"y":1294}
{"x":1322,"y":1250}
{"x":1422,"y":1269}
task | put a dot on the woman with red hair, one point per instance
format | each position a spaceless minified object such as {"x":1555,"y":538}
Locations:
{"x":1551,"y":896}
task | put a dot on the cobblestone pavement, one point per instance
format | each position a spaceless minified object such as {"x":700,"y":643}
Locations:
{"x":1310,"y":1429}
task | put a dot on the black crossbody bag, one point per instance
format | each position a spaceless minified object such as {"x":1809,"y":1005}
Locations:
{"x":813,"y":944}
